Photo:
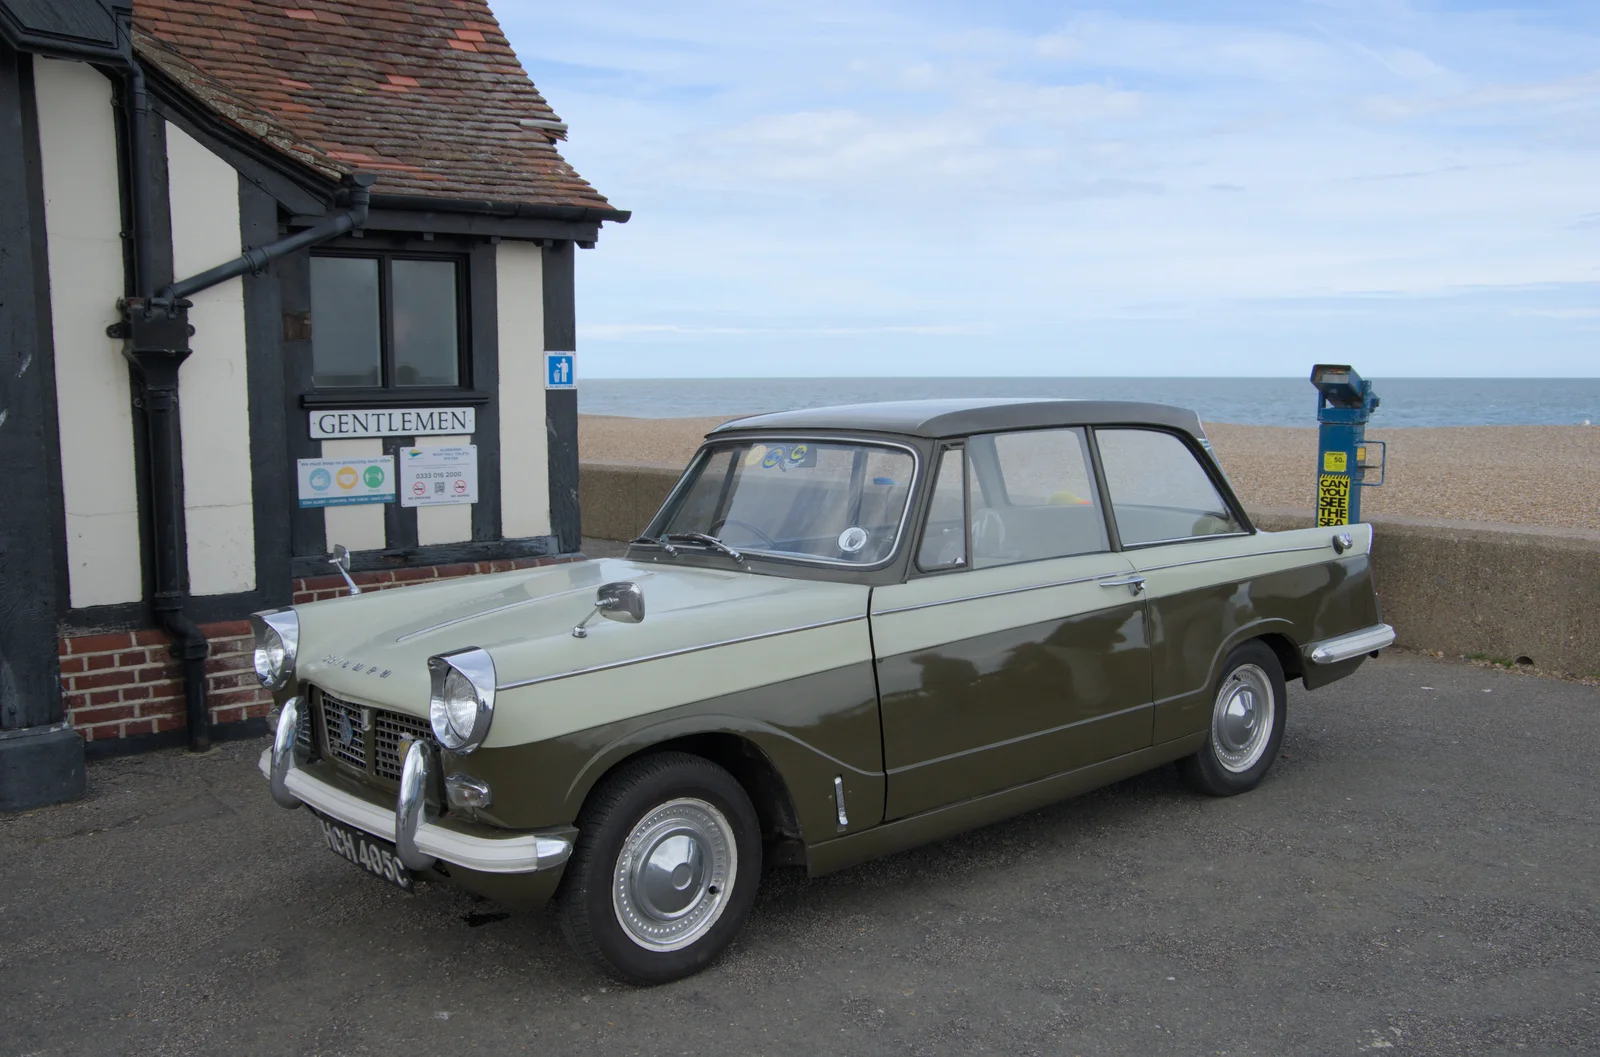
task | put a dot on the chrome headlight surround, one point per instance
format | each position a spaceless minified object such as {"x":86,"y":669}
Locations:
{"x":461,"y":702}
{"x":277,"y":635}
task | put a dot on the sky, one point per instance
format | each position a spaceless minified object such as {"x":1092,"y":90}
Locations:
{"x":880,"y":188}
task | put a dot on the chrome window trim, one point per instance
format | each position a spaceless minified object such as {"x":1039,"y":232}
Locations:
{"x":784,"y":556}
{"x":1186,"y":539}
{"x":678,"y":652}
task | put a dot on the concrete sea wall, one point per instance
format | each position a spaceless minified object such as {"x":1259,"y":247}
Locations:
{"x":1458,"y":587}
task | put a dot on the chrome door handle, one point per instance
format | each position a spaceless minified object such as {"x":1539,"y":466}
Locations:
{"x":1132,"y":583}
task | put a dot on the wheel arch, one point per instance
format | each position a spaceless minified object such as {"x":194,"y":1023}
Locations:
{"x":736,"y":752}
{"x":1278,"y":636}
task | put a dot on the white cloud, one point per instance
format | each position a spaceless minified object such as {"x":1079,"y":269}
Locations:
{"x":836,"y":170}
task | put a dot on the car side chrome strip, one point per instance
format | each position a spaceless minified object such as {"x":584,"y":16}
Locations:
{"x":997,"y":594}
{"x":1234,"y":557}
{"x":1111,"y":579}
{"x":678,"y":653}
{"x":1346,"y":647}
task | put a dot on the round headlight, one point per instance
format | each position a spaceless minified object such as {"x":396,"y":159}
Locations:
{"x":277,"y":634}
{"x":459,"y":704}
{"x":270,"y":656}
{"x":462,"y":702}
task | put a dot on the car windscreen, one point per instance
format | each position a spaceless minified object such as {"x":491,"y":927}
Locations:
{"x":817,"y":499}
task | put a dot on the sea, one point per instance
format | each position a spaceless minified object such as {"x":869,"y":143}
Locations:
{"x":1247,"y":401}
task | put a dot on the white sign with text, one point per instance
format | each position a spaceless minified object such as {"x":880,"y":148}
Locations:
{"x":393,"y":422}
{"x":438,"y":476}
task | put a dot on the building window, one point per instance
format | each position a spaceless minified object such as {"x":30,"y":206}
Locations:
{"x":386,"y":321}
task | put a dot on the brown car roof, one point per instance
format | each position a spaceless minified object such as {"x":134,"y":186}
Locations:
{"x":959,"y":417}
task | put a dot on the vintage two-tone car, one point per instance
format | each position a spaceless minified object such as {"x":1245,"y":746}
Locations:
{"x":848,"y":631}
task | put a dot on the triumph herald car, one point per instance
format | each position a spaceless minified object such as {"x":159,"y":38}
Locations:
{"x":848,"y":631}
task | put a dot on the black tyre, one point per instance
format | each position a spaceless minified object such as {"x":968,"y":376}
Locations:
{"x":1250,"y":704}
{"x":665,"y":869}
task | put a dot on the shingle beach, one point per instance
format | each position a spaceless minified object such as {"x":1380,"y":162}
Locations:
{"x":1531,"y":475}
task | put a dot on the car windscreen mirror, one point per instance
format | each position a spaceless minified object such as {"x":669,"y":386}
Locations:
{"x":621,"y":601}
{"x":340,"y":559}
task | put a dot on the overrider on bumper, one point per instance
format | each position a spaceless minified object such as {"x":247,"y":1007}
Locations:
{"x":1355,"y":644}
{"x":412,"y":825}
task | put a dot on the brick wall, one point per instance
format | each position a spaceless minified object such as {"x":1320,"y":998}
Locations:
{"x":127,"y":683}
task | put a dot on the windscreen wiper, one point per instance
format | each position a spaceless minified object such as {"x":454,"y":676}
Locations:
{"x":707,"y":539}
{"x":662,"y":543}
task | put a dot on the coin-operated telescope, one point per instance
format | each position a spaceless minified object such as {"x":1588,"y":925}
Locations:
{"x":1345,"y":401}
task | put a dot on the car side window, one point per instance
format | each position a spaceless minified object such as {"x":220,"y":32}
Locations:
{"x":1159,"y":490}
{"x":1033,"y":497}
{"x":944,"y":540}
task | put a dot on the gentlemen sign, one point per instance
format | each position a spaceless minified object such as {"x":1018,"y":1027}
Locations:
{"x":394,"y":422}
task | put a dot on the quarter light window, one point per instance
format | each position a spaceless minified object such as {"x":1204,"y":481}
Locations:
{"x":944,"y":540}
{"x":385,"y":321}
{"x":1159,"y":490}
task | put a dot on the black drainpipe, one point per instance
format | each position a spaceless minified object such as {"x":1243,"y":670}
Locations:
{"x":155,"y":331}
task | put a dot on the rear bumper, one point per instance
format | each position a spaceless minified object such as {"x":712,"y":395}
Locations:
{"x":515,"y":853}
{"x":1348,"y":647}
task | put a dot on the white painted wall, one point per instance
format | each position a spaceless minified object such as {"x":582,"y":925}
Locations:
{"x":524,"y":444}
{"x":214,"y":398}
{"x":358,"y":527}
{"x":444,"y":524}
{"x":83,"y":218}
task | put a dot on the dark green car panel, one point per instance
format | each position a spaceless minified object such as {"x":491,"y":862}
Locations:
{"x":978,"y":714}
{"x":811,"y":729}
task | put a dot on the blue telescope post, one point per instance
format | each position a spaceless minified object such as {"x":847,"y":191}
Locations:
{"x":1345,"y":401}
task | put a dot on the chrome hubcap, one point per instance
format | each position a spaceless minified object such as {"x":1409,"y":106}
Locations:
{"x":1241,"y":723}
{"x":674,"y":875}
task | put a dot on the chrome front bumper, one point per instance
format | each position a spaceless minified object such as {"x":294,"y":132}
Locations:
{"x":1348,"y":647}
{"x":411,"y":825}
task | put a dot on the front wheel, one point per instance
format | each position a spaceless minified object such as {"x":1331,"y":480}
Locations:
{"x":665,"y":869}
{"x":1246,"y":731}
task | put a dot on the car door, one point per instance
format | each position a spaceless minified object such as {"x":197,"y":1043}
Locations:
{"x":1018,"y":649}
{"x":1186,"y":540}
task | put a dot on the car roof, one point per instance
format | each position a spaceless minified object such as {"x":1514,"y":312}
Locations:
{"x":960,"y":417}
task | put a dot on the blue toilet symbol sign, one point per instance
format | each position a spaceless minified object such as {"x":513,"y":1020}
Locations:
{"x":558,"y":370}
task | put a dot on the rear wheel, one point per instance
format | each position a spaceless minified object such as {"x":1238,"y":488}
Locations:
{"x":665,"y":869}
{"x":1246,"y":729}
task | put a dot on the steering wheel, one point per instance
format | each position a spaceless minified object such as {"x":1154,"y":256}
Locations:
{"x":768,"y":540}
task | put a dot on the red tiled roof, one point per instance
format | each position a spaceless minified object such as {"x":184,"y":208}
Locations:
{"x":426,"y":94}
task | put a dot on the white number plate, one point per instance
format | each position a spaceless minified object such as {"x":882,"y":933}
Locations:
{"x":372,"y":855}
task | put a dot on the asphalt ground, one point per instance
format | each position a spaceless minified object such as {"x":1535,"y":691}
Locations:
{"x":1418,"y":874}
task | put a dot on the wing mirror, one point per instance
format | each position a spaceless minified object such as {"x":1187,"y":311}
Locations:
{"x":622,"y":601}
{"x":340,"y":559}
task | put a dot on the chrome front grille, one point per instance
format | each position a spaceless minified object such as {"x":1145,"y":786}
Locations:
{"x":345,"y":730}
{"x":371,"y":740}
{"x":392,"y":734}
